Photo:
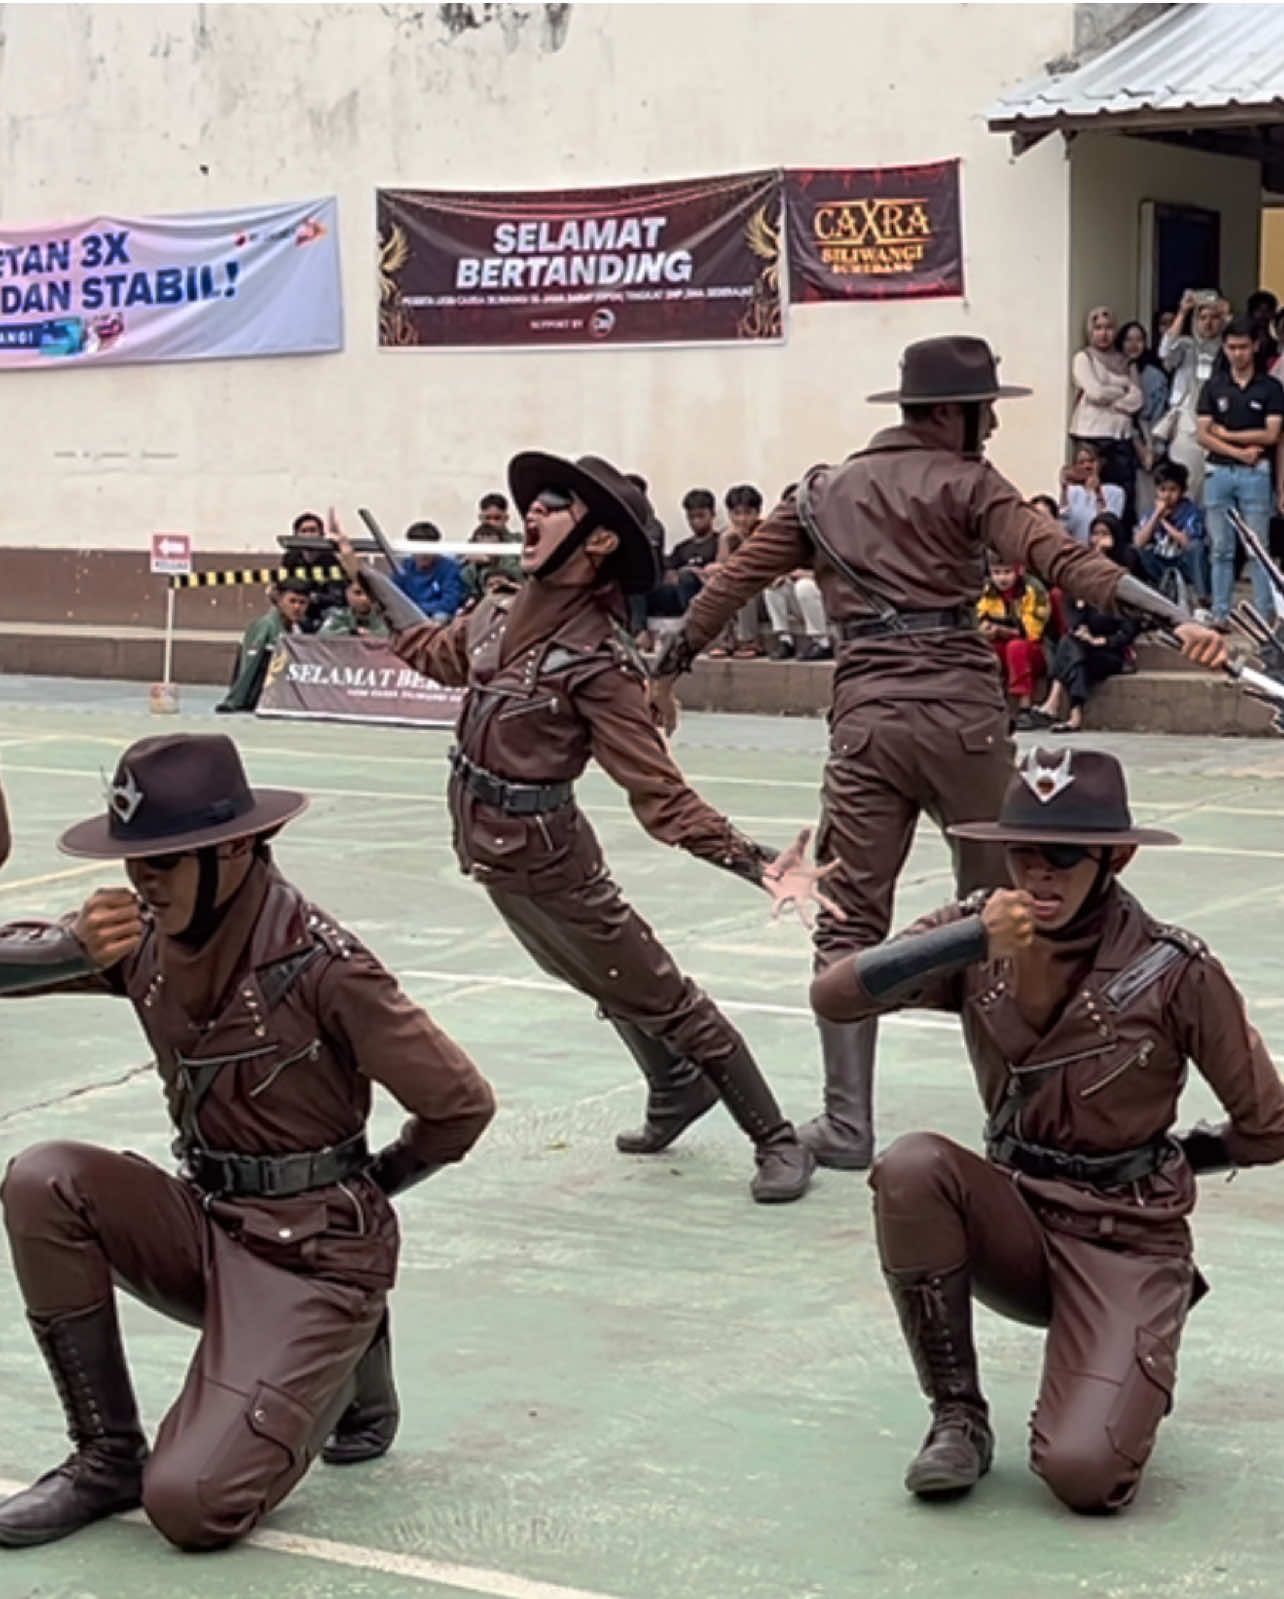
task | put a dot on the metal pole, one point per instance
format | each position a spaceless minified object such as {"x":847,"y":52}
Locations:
{"x":169,"y":634}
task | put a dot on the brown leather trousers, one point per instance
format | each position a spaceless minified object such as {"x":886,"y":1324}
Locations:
{"x":1113,"y":1315}
{"x":887,"y":763}
{"x":272,"y":1371}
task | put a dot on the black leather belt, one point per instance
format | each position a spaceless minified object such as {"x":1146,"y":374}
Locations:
{"x":274,"y":1176}
{"x":957,"y":618}
{"x":516,"y":799}
{"x":1095,"y":1171}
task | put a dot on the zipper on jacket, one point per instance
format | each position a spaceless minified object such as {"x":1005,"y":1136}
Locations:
{"x":1061,"y":1060}
{"x":1138,"y":1058}
{"x":525,"y":710}
{"x":313,"y":1049}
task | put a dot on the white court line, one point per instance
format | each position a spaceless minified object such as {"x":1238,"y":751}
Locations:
{"x":753,"y":1007}
{"x":470,"y":1579}
{"x":56,"y":877}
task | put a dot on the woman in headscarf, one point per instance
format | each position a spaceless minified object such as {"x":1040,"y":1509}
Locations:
{"x":1189,"y":350}
{"x":1108,"y":402}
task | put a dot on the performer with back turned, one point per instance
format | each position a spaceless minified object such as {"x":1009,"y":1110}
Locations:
{"x":268,"y":1022}
{"x":553,"y":681}
{"x":918,"y":723}
{"x":1080,"y":1012}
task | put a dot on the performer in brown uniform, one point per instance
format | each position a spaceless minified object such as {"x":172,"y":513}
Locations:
{"x":1080,"y":1013}
{"x":269,"y":1022}
{"x":555,"y":680}
{"x":896,"y":536}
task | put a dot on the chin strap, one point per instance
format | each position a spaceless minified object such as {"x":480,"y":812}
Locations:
{"x":574,"y":539}
{"x":972,"y":440}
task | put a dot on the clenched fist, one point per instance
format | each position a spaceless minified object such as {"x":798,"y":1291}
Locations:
{"x":109,"y":925}
{"x":1008,"y":919}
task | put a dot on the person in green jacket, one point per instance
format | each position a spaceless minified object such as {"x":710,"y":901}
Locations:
{"x":486,"y":574}
{"x":356,"y":617}
{"x":289,"y":607}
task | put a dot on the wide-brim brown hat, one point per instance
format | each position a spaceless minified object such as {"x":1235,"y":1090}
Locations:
{"x":957,"y":369}
{"x":179,"y":793}
{"x":1066,"y":797}
{"x":614,"y":501}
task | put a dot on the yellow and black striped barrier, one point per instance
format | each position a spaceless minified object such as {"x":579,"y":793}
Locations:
{"x":256,"y":574}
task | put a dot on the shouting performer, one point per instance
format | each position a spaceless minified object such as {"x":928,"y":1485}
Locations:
{"x":1080,"y":1013}
{"x":896,"y":538}
{"x":277,"y":1240}
{"x":553,"y":681}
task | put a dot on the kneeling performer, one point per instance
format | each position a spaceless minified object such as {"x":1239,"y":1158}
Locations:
{"x":1080,"y":1013}
{"x":277,"y":1240}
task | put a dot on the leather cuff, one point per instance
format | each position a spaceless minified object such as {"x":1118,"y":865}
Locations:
{"x":750,"y":861}
{"x":675,"y":657}
{"x":1205,"y":1148}
{"x":1138,"y":596}
{"x":35,"y":953}
{"x":396,"y":1167}
{"x":399,"y":610}
{"x":903,"y":961}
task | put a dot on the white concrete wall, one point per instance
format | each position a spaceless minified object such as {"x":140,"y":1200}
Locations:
{"x":133,"y":109}
{"x":1111,"y":177}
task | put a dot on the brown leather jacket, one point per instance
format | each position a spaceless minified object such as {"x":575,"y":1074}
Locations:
{"x":309,"y":1021}
{"x":1107,"y":1074}
{"x":580,"y":695}
{"x":912,"y":519}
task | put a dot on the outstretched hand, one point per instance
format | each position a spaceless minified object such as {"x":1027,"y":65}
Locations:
{"x":794,"y":885}
{"x":349,"y":560}
{"x":1200,"y":644}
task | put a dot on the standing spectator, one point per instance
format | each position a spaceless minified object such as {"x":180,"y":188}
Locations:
{"x":1240,"y":414}
{"x":1083,"y":494}
{"x":1096,"y":644}
{"x":743,"y":636}
{"x":1109,"y":399}
{"x":434,"y":582}
{"x":288,"y":605}
{"x":1173,"y":535}
{"x":1151,"y":376}
{"x":1261,"y":311}
{"x":656,"y":535}
{"x":1012,"y":613}
{"x":492,"y":510}
{"x":357,"y":617}
{"x":1190,"y":356}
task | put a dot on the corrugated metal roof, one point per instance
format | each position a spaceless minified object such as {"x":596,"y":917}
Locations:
{"x":1190,"y":59}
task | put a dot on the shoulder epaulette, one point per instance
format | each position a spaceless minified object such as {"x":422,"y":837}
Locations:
{"x":1181,"y":936}
{"x":626,"y":653}
{"x":332,"y":938}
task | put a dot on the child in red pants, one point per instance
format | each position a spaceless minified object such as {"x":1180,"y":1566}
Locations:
{"x":1012,"y":613}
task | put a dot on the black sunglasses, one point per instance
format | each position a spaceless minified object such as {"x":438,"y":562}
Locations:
{"x":164,"y":863}
{"x":1061,"y":857}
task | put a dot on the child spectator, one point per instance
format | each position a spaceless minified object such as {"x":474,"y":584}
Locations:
{"x":1084,"y":495}
{"x":1097,"y":645}
{"x":1173,"y":535}
{"x":356,"y":617}
{"x":289,"y":606}
{"x":1012,"y":613}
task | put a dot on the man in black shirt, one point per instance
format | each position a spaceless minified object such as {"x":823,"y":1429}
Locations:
{"x":685,"y":565}
{"x":1240,"y":415}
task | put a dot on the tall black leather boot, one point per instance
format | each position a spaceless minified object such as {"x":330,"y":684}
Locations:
{"x":105,"y":1473}
{"x":784,"y":1165}
{"x":935,"y":1309}
{"x":678,"y":1092}
{"x":842,"y":1135}
{"x":368,"y":1426}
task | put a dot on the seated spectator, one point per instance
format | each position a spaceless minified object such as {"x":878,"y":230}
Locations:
{"x":1097,"y":645}
{"x":491,"y":574}
{"x":655,"y":532}
{"x":492,"y":511}
{"x":434,"y":582}
{"x":1012,"y":613}
{"x":357,"y":616}
{"x":686,"y":563}
{"x":1173,"y":535}
{"x":1084,"y":495}
{"x":743,"y":637}
{"x":288,"y":606}
{"x":307,"y":549}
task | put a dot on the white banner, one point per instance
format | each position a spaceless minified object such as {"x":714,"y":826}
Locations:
{"x":260,"y":281}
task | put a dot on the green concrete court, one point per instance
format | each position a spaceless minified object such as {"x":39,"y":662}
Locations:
{"x":620,"y":1378}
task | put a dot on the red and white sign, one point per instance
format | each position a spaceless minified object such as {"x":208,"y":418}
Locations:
{"x":171,"y":554}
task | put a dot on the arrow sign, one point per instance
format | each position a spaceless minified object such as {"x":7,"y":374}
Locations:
{"x":171,"y":554}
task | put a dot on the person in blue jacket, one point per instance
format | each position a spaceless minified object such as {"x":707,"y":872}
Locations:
{"x":434,"y":582}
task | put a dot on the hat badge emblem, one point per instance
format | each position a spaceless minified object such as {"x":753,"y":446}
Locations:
{"x":124,"y":798}
{"x":1046,"y":782}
